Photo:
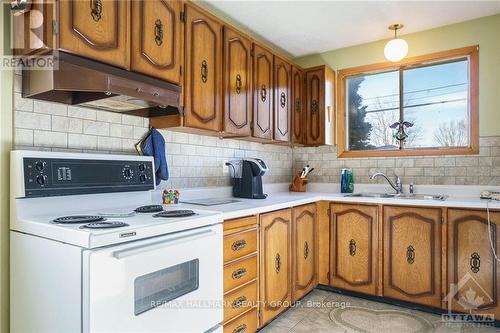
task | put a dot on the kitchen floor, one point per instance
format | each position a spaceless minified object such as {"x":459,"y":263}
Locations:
{"x":328,"y":312}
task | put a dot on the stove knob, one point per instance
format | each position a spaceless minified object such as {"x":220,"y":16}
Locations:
{"x":142,"y":178}
{"x":41,"y":180}
{"x":142,"y":167}
{"x":40,"y":165}
{"x":127,"y":173}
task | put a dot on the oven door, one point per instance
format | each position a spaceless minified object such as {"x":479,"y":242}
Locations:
{"x":171,"y":283}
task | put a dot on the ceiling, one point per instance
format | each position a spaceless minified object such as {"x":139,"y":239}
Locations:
{"x":306,"y":27}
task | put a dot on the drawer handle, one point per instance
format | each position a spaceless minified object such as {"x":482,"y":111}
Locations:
{"x":96,"y":9}
{"x":263,"y":93}
{"x":352,"y":247}
{"x":475,"y":262}
{"x":238,"y":245}
{"x":283,"y":100}
{"x":410,"y":254}
{"x":158,"y":32}
{"x":240,"y":329}
{"x":239,"y":273}
{"x":238,"y":84}
{"x":277,"y":263}
{"x":306,"y":250}
{"x":239,"y":302}
{"x":314,"y":106}
{"x":204,"y":71}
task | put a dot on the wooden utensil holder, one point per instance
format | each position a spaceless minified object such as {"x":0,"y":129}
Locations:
{"x":298,"y":184}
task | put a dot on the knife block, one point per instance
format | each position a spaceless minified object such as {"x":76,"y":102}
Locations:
{"x":298,"y":184}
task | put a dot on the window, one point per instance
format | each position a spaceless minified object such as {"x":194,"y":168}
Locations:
{"x":423,"y":106}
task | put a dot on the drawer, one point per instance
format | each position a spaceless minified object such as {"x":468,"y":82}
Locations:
{"x":240,"y":244}
{"x":239,"y":224}
{"x":240,"y":300}
{"x":246,"y":323}
{"x":240,"y":272}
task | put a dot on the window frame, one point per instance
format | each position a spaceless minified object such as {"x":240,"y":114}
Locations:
{"x":471,"y":52}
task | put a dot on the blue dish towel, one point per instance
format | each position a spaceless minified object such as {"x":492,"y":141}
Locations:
{"x":154,"y":145}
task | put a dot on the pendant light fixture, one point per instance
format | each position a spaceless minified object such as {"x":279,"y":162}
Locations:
{"x":396,"y":49}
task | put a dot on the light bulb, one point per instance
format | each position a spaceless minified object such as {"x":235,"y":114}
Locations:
{"x":396,"y":49}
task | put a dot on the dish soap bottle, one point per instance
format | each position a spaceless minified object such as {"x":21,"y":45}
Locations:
{"x":349,"y":181}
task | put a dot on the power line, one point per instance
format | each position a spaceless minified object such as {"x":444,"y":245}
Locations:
{"x":416,"y":91}
{"x":419,"y":105}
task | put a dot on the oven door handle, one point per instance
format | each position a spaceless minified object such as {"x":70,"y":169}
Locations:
{"x":175,"y":239}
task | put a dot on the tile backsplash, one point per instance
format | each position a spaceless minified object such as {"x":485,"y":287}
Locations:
{"x":196,"y":160}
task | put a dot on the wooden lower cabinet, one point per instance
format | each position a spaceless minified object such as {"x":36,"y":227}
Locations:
{"x":245,"y":323}
{"x":472,"y":267}
{"x":275,"y":263}
{"x":354,"y":247}
{"x":304,"y":250}
{"x":412,"y":254}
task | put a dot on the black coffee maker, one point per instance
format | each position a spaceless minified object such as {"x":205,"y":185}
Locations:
{"x":246,"y":177}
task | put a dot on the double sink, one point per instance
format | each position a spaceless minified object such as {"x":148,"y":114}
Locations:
{"x":413,"y":196}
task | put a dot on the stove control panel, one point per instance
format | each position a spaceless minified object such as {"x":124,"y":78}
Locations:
{"x":58,"y":176}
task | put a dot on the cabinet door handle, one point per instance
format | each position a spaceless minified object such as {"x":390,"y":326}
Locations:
{"x":352,"y":247}
{"x":283,"y":100}
{"x":239,"y":302}
{"x":96,"y":9}
{"x":238,"y":84}
{"x":239,"y":273}
{"x":475,"y":262}
{"x":314,"y":106}
{"x":306,"y":250}
{"x":410,"y":254}
{"x":297,"y":105}
{"x":238,"y":245}
{"x":158,"y":32}
{"x":204,"y":71}
{"x":240,"y":329}
{"x":277,"y":263}
{"x":263,"y":93}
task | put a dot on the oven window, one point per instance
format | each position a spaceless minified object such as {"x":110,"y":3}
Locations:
{"x":157,"y":288}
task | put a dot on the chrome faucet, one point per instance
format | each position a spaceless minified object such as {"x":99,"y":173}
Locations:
{"x":398,"y":187}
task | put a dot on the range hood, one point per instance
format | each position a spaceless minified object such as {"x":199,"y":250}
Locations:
{"x":79,"y":81}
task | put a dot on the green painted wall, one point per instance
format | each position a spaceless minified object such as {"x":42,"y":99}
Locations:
{"x":484,"y":32}
{"x":6,"y":96}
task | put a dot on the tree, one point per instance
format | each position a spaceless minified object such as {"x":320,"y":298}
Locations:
{"x":359,"y":130}
{"x":452,"y":134}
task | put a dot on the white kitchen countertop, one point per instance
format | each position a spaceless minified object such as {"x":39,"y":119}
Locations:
{"x":279,"y":198}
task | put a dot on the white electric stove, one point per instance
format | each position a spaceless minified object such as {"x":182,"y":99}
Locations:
{"x":91,"y":251}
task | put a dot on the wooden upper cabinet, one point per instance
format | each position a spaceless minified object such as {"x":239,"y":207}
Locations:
{"x":412,"y":254}
{"x":275,"y":263}
{"x":262,"y":93}
{"x":282,"y":87}
{"x":156,"y":39}
{"x":202,"y":84}
{"x":471,"y":264}
{"x":320,"y":118}
{"x":97,"y":29}
{"x":304,"y":250}
{"x":237,"y":83}
{"x":297,"y":107}
{"x":354,"y":247}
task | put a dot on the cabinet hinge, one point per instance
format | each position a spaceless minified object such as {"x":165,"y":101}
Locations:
{"x":329,"y":212}
{"x":180,"y":70}
{"x":181,"y":111}
{"x":252,"y":52}
{"x":183,"y":16}
{"x":55,"y":27}
{"x":442,"y":220}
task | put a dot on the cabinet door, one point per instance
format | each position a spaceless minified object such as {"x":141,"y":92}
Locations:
{"x":262,"y":93}
{"x":354,"y":247}
{"x":237,"y":92}
{"x":203,"y":70}
{"x":315,"y":89}
{"x":275,"y":263}
{"x":282,"y":87}
{"x":471,"y":264}
{"x":297,"y":105}
{"x":304,"y":250}
{"x":156,"y":39}
{"x":96,"y":29}
{"x":412,"y":254}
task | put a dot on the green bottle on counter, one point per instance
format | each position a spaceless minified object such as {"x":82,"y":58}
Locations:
{"x":349,"y":181}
